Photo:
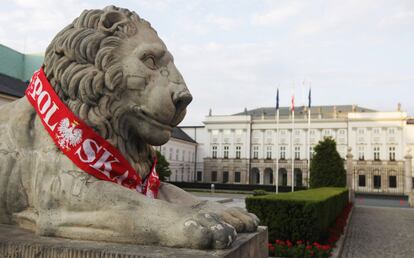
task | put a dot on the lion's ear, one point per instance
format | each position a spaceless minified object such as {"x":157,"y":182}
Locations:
{"x":110,"y":20}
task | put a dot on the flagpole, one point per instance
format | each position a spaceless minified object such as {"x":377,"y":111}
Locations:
{"x":292,"y":148}
{"x":277,"y":151}
{"x":309,"y":145}
{"x":309,"y":122}
{"x":277,"y":143}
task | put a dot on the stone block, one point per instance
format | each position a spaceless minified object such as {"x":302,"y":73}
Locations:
{"x":17,"y":242}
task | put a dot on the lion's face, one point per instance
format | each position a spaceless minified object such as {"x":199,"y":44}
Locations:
{"x":155,"y":93}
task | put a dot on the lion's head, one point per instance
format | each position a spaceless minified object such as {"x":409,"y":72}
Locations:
{"x":113,"y":71}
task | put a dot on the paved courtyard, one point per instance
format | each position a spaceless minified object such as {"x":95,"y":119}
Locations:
{"x":382,"y":201}
{"x":380,"y":232}
{"x":228,"y":199}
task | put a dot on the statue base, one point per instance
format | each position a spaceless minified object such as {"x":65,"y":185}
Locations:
{"x":17,"y":242}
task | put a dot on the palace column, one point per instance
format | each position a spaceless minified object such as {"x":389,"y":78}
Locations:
{"x":349,"y":174}
{"x":408,"y":184}
{"x":261,"y":175}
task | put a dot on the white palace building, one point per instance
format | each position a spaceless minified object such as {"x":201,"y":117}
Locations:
{"x":241,"y":148}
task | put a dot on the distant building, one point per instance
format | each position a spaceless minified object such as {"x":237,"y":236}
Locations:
{"x":180,"y":152}
{"x":16,"y":69}
{"x":11,"y":89}
{"x":241,"y":148}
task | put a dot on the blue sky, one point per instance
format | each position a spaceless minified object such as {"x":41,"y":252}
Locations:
{"x":234,"y":54}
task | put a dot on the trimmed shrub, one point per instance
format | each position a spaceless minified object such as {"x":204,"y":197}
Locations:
{"x":259,"y":192}
{"x":302,"y":215}
{"x":327,"y":167}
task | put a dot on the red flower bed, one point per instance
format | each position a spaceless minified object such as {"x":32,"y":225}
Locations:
{"x":305,"y":249}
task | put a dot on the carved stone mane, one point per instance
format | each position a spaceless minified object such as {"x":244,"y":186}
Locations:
{"x":82,"y":66}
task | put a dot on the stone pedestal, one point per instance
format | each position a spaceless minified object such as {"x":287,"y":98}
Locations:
{"x":411,"y":200}
{"x":16,"y":242}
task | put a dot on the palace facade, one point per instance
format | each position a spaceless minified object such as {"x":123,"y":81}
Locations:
{"x":242,"y":149}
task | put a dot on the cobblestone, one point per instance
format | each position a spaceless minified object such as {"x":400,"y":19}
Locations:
{"x":380,"y":232}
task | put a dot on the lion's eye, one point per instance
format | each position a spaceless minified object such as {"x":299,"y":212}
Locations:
{"x":149,"y":61}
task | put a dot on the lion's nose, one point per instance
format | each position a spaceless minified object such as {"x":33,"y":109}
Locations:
{"x":181,"y":99}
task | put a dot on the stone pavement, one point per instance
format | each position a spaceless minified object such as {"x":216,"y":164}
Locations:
{"x":380,"y":232}
{"x":228,"y":199}
{"x":382,"y":201}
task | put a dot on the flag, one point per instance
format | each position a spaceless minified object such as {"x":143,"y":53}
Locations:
{"x":277,"y":99}
{"x":292,"y":107}
{"x":309,"y":98}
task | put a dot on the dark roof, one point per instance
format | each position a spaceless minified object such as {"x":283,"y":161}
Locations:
{"x":178,"y":133}
{"x":285,"y":111}
{"x":12,"y":86}
{"x":192,"y":126}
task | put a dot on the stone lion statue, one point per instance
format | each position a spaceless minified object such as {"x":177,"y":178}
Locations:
{"x":113,"y":71}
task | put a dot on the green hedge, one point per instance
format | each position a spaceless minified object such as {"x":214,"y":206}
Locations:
{"x":301,"y":215}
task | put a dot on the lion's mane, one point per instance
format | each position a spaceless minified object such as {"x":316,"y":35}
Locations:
{"x":84,"y":70}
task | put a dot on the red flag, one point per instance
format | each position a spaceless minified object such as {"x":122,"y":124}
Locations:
{"x":292,"y":106}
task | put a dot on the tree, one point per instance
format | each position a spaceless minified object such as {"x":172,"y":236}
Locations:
{"x":162,"y":166}
{"x":327,"y":166}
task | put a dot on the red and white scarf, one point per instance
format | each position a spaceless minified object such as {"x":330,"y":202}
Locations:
{"x":81,"y":144}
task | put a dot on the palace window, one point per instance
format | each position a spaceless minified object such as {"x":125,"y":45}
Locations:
{"x":214,"y":152}
{"x":282,"y":152}
{"x":226,"y":152}
{"x":268,"y":152}
{"x":170,"y":154}
{"x":225,"y":177}
{"x":238,"y":152}
{"x":327,"y":132}
{"x":297,"y":132}
{"x":361,"y":131}
{"x":311,"y":152}
{"x":199,"y":176}
{"x":177,"y":152}
{"x":341,"y":132}
{"x":376,"y":131}
{"x":391,"y":153}
{"x":297,"y":152}
{"x":377,"y":182}
{"x":361,"y":153}
{"x":361,"y":181}
{"x":183,"y":157}
{"x":391,"y":131}
{"x":237,"y":177}
{"x":213,"y":176}
{"x":392,"y":180}
{"x":255,"y":152}
{"x":377,"y":153}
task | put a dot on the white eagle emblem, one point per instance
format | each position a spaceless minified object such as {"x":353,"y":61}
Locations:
{"x":68,"y":135}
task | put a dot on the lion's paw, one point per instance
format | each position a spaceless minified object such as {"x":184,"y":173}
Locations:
{"x":239,"y":218}
{"x":207,"y":230}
